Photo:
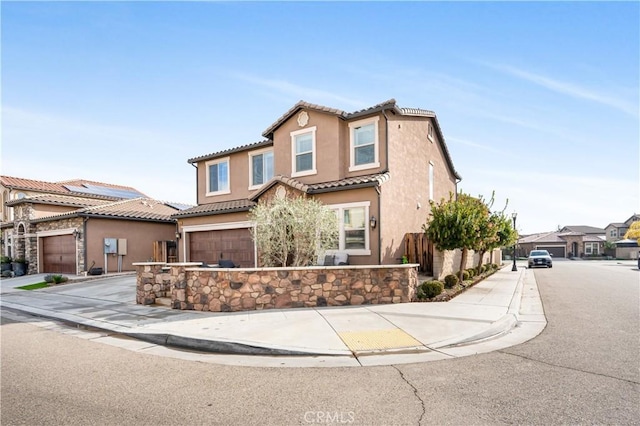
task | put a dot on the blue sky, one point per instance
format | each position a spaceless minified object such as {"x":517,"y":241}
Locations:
{"x":538,"y":101}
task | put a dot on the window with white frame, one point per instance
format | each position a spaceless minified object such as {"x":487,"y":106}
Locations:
{"x":218,"y":176}
{"x":353,"y":233}
{"x":430,"y":131}
{"x":431,"y":180}
{"x":613,"y":233}
{"x":591,"y":248}
{"x":303,"y":152}
{"x":364,"y":144}
{"x":260,"y":168}
{"x":621,"y":232}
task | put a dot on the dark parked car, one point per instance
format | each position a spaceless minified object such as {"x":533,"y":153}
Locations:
{"x":540,"y":258}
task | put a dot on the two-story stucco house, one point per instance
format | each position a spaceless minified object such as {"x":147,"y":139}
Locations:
{"x":378,"y":168}
{"x":615,"y":231}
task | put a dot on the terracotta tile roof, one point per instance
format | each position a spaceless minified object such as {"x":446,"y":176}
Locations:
{"x":583,"y":229}
{"x":144,"y":209}
{"x":31,"y":184}
{"x":317,"y":188}
{"x":557,"y":237}
{"x":62,"y":187}
{"x":226,"y":152}
{"x":216,"y":208}
{"x":547,"y":237}
{"x":59,"y":200}
{"x":268,"y":133}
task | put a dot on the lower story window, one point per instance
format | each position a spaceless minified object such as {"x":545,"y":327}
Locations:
{"x":353,"y":221}
{"x":591,"y":248}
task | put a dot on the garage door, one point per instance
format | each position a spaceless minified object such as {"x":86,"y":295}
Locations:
{"x":59,"y":254}
{"x":233,"y":244}
{"x":554,"y":250}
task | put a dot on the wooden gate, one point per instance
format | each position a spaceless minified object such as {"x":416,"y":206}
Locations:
{"x":419,"y":249}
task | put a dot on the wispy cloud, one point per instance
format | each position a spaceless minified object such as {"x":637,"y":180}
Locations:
{"x":474,"y":145}
{"x":300,"y":92}
{"x":568,"y":89}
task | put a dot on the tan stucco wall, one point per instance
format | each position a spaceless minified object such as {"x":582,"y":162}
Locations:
{"x":139,"y":235}
{"x":329,"y":134}
{"x":405,"y":197}
{"x":43,"y":210}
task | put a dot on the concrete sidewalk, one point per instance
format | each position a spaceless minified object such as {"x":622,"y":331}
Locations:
{"x":501,"y":311}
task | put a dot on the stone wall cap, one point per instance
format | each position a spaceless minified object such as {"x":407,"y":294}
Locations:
{"x":305,"y":268}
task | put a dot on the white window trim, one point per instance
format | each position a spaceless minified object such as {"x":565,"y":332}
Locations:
{"x":338,"y":208}
{"x":251,"y":155}
{"x":430,"y":131}
{"x":314,"y":152}
{"x":376,"y":144}
{"x":208,"y":180}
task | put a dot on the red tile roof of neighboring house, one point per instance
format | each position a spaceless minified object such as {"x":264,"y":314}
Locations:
{"x":59,"y":200}
{"x":61,"y":187}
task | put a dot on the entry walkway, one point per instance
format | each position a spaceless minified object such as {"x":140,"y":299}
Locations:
{"x":501,"y":311}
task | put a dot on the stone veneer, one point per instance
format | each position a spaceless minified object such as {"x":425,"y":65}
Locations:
{"x":227,"y":290}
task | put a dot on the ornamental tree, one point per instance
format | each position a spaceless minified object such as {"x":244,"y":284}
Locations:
{"x":633,"y":233}
{"x":495,"y":231}
{"x":293,"y":231}
{"x":457,"y":224}
{"x":467,"y":223}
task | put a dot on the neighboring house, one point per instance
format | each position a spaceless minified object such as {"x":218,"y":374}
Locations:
{"x":377,"y":168}
{"x":563,"y":243}
{"x":615,"y":231}
{"x":69,"y":227}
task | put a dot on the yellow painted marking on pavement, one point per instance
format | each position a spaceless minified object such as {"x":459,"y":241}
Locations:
{"x":378,"y":339}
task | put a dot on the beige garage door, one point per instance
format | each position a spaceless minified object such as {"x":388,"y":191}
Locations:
{"x":59,"y":254}
{"x":233,"y":244}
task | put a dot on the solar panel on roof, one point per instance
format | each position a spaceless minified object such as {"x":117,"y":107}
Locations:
{"x":105,"y":191}
{"x":179,"y":206}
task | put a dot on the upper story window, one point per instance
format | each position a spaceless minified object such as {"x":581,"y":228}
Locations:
{"x":260,"y":168}
{"x":430,"y":131}
{"x":218,"y":176}
{"x":303,"y":152}
{"x":613,"y":233}
{"x":363,"y":141}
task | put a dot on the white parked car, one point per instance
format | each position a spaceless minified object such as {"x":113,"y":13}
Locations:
{"x":540,"y":258}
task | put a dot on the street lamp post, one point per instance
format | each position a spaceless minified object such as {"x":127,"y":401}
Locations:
{"x":514,"y":268}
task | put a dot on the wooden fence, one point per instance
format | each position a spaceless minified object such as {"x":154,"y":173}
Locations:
{"x":419,"y":249}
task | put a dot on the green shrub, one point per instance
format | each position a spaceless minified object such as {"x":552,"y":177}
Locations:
{"x":472,"y":272}
{"x":484,"y":268}
{"x":450,"y":281}
{"x":495,"y":266}
{"x":48,"y":278}
{"x":5,"y":259}
{"x":429,"y":289}
{"x":58,"y":279}
{"x":465,"y":275}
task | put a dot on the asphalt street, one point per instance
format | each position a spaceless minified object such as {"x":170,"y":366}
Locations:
{"x":582,"y":369}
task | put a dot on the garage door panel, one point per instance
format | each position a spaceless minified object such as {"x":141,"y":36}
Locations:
{"x":59,"y":254}
{"x":211,"y":246}
{"x":556,"y":251}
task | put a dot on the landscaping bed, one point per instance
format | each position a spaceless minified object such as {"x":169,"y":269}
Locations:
{"x":451,"y":287}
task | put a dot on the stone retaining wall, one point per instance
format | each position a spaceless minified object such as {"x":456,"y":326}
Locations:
{"x":227,"y":290}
